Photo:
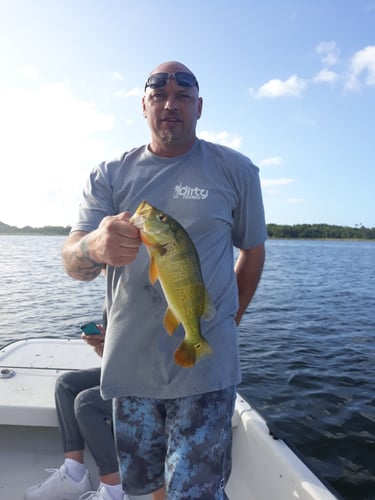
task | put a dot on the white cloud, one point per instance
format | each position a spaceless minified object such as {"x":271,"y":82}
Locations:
{"x":49,"y":144}
{"x":325,"y":76}
{"x":125,"y":94}
{"x":363,"y":61}
{"x":267,"y":183}
{"x":272,"y":187}
{"x":361,"y":71}
{"x":135,"y":92}
{"x":223,"y":138}
{"x":293,"y":86}
{"x":117,"y":76}
{"x":329,"y":52}
{"x":29,"y":71}
{"x":271,"y":161}
{"x":295,"y":201}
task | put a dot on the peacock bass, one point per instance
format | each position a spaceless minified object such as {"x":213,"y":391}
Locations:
{"x":174,"y":261}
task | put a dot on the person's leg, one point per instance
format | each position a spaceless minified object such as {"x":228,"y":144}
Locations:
{"x":71,"y":479}
{"x":199,"y":430}
{"x":140,"y":443}
{"x":94,"y":417}
{"x":68,"y":386}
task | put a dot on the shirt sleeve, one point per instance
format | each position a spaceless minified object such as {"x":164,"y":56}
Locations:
{"x":97,"y":200}
{"x":249,"y":226}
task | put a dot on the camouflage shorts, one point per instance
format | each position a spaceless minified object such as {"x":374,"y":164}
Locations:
{"x":183,"y":443}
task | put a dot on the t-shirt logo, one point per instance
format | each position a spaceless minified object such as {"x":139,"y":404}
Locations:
{"x":190,"y":193}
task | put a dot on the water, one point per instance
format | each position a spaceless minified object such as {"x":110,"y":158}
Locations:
{"x":36,"y":296}
{"x":308,"y":356}
{"x":307,"y":341}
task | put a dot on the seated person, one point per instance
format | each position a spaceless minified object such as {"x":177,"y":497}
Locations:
{"x":83,"y":416}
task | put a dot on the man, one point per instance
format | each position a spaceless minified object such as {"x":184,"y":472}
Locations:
{"x":172,"y":424}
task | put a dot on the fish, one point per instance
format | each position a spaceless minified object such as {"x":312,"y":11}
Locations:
{"x":174,"y":261}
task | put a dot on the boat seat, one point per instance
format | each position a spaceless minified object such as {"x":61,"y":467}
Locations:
{"x":28,"y":372}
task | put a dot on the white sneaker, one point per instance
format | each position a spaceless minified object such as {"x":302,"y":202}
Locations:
{"x":59,"y":486}
{"x":100,"y":494}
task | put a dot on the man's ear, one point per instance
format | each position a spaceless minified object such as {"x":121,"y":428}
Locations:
{"x":200,"y":106}
{"x":144,"y":107}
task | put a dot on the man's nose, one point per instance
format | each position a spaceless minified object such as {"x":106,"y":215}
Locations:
{"x":171,"y":103}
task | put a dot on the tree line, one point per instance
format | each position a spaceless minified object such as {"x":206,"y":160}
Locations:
{"x":46,"y":230}
{"x":277,"y":231}
{"x":320,"y":231}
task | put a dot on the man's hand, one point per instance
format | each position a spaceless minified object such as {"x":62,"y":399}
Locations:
{"x":96,"y":341}
{"x":115,"y":242}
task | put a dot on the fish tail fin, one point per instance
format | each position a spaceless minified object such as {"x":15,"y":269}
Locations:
{"x":187,"y":354}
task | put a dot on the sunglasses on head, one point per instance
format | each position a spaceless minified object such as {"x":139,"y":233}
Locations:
{"x":182,"y":78}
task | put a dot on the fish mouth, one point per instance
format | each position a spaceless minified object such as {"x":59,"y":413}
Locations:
{"x":137,"y":220}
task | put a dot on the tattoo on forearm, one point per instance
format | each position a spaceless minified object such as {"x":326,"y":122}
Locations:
{"x":87,"y":268}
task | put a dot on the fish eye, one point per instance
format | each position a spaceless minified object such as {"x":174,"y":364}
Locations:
{"x":198,"y":346}
{"x":161,"y":217}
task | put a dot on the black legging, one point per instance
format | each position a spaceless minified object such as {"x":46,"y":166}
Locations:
{"x":84,"y":416}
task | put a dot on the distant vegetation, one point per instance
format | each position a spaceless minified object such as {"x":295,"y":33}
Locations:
{"x":320,"y":231}
{"x":46,"y":230}
{"x":303,"y":231}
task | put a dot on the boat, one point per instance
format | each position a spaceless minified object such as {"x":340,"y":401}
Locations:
{"x":264,"y":467}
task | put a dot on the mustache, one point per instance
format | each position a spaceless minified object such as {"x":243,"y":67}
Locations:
{"x":170,"y":115}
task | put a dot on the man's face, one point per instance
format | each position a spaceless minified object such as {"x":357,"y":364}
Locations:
{"x":172,"y":112}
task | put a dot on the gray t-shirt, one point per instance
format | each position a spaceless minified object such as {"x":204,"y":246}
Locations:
{"x":214,"y":192}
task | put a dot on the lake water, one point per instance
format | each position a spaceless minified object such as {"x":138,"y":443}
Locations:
{"x":307,"y":341}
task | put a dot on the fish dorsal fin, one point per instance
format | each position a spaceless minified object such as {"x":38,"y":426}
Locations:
{"x":170,"y":321}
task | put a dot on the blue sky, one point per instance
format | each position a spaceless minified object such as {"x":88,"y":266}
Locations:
{"x":289,"y":83}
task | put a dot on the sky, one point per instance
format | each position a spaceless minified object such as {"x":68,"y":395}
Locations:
{"x":290,"y":84}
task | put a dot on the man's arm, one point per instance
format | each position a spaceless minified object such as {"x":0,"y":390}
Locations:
{"x":115,"y":242}
{"x":248,"y":269}
{"x":76,"y":257}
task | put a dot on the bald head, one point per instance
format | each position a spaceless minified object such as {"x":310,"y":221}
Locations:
{"x":170,"y":67}
{"x":160,"y":75}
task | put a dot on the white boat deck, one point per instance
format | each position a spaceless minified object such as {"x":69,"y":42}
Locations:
{"x":34,"y":365}
{"x":263,"y":468}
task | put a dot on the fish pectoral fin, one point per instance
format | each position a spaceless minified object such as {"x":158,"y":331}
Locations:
{"x":209,"y":310}
{"x":170,"y":321}
{"x":153,"y":271}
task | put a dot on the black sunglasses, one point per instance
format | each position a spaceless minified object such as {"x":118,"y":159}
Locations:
{"x":182,"y":78}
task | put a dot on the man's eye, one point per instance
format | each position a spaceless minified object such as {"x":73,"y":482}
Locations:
{"x":158,"y":96}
